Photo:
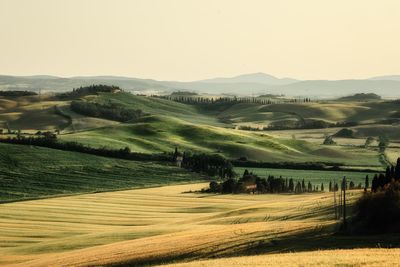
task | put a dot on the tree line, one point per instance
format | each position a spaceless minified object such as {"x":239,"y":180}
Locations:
{"x":16,"y":93}
{"x":110,"y":111}
{"x":89,"y":90}
{"x":192,"y":99}
{"x":252,"y":183}
{"x":49,"y":140}
{"x":392,"y":174}
{"x":210,"y":164}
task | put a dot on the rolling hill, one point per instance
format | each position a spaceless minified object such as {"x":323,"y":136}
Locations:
{"x":29,"y":172}
{"x":201,"y":128}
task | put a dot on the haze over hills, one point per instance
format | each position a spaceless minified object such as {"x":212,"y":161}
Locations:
{"x":259,"y":77}
{"x":247,"y":84}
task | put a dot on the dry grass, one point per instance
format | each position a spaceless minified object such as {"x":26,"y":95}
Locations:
{"x":160,"y":225}
{"x":353,"y":257}
{"x":147,"y":224}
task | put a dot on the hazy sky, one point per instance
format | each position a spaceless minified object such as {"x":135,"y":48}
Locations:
{"x":189,"y":40}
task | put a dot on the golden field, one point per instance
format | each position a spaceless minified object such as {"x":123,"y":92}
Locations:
{"x":346,"y":257}
{"x":164,"y":224}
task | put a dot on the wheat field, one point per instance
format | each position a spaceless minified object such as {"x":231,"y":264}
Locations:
{"x":346,"y":257}
{"x":159,"y":225}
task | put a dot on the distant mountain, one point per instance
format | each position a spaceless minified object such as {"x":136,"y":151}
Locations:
{"x":387,"y":78}
{"x":324,"y":88}
{"x":261,"y":78}
{"x":58,"y":84}
{"x":248,"y":84}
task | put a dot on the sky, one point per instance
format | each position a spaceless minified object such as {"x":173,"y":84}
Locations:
{"x":189,"y":40}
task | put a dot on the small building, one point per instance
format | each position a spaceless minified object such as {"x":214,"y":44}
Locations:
{"x":251,"y":188}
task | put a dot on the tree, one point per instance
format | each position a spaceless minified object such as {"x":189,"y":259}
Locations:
{"x":291,"y":185}
{"x":309,"y":187}
{"x":383,"y":143}
{"x":330,"y":186}
{"x":375,"y":184}
{"x":298,"y":188}
{"x":351,"y":185}
{"x":322,"y":187}
{"x":366,"y":182}
{"x":329,"y":140}
{"x":397,"y":170}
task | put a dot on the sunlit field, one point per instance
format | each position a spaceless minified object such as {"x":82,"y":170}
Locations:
{"x":353,"y":257}
{"x":161,"y":224}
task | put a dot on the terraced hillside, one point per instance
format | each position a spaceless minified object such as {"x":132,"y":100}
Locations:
{"x":158,"y":225}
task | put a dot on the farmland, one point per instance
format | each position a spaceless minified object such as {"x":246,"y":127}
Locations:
{"x":70,"y":208}
{"x":164,"y":223}
{"x":210,"y":128}
{"x":349,"y":257}
{"x":35,"y":172}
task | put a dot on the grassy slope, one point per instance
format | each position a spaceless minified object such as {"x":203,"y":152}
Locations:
{"x":370,"y":112}
{"x":35,"y":172}
{"x":159,"y":133}
{"x":28,"y":113}
{"x":160,"y":106}
{"x":197,"y":128}
{"x":80,"y":122}
{"x":162,"y":224}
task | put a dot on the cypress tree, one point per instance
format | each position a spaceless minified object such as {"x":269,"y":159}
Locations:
{"x":397,"y":170}
{"x":375,"y":183}
{"x":291,"y":185}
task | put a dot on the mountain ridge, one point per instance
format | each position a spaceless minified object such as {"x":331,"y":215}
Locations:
{"x":246,"y":84}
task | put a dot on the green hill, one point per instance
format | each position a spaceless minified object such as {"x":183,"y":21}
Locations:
{"x":162,"y":134}
{"x":35,"y":172}
{"x":159,"y":106}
